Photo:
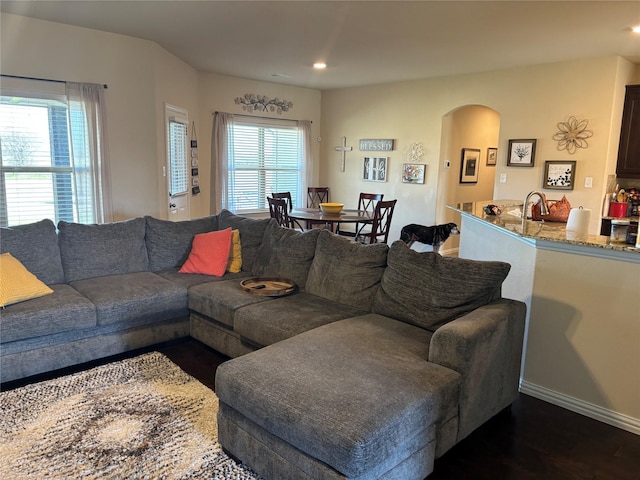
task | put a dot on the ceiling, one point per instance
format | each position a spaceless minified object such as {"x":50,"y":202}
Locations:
{"x":362,"y":42}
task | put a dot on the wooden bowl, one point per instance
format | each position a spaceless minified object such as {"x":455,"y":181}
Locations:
{"x":331,"y":207}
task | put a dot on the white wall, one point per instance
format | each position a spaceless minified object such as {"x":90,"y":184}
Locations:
{"x":43,"y":49}
{"x":530,"y":102}
{"x":142,"y":77}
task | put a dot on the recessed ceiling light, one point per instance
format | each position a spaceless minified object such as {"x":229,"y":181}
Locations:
{"x":636,"y":29}
{"x":319,"y":65}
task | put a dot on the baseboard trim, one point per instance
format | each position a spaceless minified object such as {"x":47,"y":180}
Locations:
{"x":587,"y":409}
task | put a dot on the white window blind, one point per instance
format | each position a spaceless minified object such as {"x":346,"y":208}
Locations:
{"x":264,"y":159}
{"x":178,"y":157}
{"x":37,"y":175}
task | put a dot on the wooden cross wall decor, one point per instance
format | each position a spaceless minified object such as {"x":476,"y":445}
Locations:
{"x":344,"y":149}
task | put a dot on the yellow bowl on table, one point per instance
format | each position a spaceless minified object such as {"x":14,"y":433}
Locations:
{"x":331,"y":207}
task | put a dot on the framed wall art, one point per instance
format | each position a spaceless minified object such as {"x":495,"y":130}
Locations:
{"x":521,"y":153}
{"x":559,"y":174}
{"x":492,"y":156}
{"x":375,"y":169}
{"x":413,"y":172}
{"x":469,"y":165}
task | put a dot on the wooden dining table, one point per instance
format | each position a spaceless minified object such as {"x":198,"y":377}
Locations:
{"x":345,"y":216}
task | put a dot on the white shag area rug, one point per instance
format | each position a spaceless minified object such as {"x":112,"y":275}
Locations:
{"x":140,"y":418}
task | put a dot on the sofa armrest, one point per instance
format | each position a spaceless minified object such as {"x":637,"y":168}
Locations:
{"x":485,"y":347}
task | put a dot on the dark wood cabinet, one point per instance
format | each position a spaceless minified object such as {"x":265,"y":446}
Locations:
{"x":629,"y":150}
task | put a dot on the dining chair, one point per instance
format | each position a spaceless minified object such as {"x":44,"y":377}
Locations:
{"x":286,"y":196}
{"x":366,"y":203}
{"x":279,"y":210}
{"x":316,"y":196}
{"x":382,"y":216}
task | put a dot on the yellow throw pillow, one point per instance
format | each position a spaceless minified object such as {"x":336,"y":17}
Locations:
{"x":235,"y":255}
{"x":17,"y":283}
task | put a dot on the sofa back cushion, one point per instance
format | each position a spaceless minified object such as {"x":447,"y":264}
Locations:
{"x":169,"y":243}
{"x":285,"y":253}
{"x":251,"y":233}
{"x":428,"y":290}
{"x":90,"y":251}
{"x":35,"y":245}
{"x":346,"y":272}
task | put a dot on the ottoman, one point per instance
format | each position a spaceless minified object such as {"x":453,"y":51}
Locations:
{"x":354,"y":399}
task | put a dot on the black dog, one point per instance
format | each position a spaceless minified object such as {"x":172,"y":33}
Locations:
{"x":434,"y":235}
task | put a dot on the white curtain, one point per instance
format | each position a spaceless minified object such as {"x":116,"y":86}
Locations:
{"x":306,"y":154}
{"x":221,"y":144}
{"x":89,"y":152}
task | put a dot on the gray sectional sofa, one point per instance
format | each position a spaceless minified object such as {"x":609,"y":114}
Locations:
{"x":381,"y":361}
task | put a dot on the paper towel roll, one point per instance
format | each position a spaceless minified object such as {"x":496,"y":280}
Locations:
{"x":578,"y":221}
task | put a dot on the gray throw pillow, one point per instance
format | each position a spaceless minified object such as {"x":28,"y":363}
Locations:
{"x":428,"y":290}
{"x":90,"y":251}
{"x":169,"y":243}
{"x":285,"y":253}
{"x":251,"y":233}
{"x":346,"y":272}
{"x":36,"y":246}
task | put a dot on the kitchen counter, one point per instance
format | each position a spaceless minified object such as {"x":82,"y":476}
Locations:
{"x":582,"y":340}
{"x":550,"y":235}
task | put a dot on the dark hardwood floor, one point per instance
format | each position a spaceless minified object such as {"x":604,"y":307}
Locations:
{"x":532,"y":440}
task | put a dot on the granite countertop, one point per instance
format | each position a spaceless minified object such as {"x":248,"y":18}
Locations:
{"x":547,"y":231}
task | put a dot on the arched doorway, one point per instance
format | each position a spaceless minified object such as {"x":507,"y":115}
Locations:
{"x":473,"y":127}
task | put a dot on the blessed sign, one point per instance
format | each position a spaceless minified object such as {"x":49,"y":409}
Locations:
{"x":376,"y":144}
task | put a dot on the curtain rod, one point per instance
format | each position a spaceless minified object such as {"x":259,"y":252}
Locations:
{"x":258,"y":116}
{"x":39,"y":79}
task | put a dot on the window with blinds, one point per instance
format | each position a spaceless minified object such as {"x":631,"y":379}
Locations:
{"x":265,"y":159}
{"x":179,"y":183}
{"x":36,"y":170}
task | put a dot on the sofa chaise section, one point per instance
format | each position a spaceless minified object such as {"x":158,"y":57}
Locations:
{"x":383,"y":394}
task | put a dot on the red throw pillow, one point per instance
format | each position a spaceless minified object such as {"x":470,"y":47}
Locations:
{"x":209,"y":253}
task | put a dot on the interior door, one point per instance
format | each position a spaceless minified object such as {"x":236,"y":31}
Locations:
{"x":178,"y":159}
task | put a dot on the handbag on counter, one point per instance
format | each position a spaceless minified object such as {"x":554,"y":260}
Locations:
{"x":558,"y":210}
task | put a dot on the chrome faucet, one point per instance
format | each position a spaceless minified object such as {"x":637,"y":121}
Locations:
{"x":543,"y":206}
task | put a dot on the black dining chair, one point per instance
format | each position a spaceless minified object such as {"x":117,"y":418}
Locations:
{"x":316,"y":196}
{"x":279,"y":210}
{"x":382,"y":216}
{"x":285,"y":196}
{"x":366,"y":203}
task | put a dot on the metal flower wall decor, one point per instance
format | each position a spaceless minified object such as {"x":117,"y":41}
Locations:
{"x":572,"y":135}
{"x":252,"y":102}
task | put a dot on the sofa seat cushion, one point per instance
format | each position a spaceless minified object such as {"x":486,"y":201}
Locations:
{"x":270,"y":322}
{"x":356,"y":394}
{"x":286,"y":253}
{"x":345,"y":271}
{"x":429,"y":290}
{"x":191,"y":279}
{"x":36,"y":246}
{"x":100,"y":250}
{"x":134,"y":297}
{"x":169,"y":243}
{"x":221,"y":300}
{"x":64,"y":310}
